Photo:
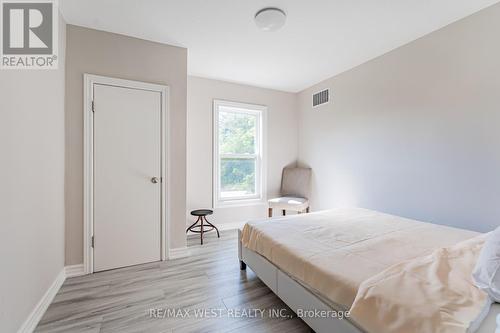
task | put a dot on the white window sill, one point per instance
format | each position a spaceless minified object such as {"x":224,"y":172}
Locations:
{"x":240,"y":203}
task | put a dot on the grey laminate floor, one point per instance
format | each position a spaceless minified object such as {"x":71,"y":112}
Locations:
{"x":121,"y":300}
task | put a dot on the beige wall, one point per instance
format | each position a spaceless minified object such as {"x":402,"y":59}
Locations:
{"x":107,"y":54}
{"x":32,"y":187}
{"x":282,"y":143}
{"x":415,"y":132}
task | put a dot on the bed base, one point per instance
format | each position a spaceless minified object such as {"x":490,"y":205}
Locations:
{"x":292,"y":293}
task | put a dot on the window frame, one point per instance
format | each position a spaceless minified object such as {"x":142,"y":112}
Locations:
{"x":260,"y":156}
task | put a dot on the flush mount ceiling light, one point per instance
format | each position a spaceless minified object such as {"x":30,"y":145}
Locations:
{"x":270,"y":19}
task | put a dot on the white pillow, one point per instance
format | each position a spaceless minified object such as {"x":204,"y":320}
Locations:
{"x":486,"y":274}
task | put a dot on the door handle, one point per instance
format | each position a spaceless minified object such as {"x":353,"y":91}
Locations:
{"x":154,"y":180}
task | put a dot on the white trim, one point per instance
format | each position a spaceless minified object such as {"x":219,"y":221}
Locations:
{"x":260,"y":156}
{"x":34,"y":318}
{"x":231,"y":226}
{"x":179,"y":252}
{"x":223,"y":227}
{"x":74,"y":270}
{"x":244,"y":202}
{"x":89,"y":81}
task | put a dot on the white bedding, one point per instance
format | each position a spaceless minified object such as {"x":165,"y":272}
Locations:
{"x":334,"y":251}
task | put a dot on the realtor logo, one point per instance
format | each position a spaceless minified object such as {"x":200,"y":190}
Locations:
{"x":29,"y":34}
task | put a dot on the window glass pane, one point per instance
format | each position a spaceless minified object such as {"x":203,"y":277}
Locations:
{"x":237,"y":177}
{"x":237,"y":133}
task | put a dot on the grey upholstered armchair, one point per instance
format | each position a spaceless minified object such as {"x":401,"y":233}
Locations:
{"x":295,"y":186}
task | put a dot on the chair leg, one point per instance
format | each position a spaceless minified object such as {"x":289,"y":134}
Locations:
{"x":270,"y":212}
{"x":192,"y":225}
{"x":284,"y":212}
{"x":201,"y":233}
{"x":243,"y":266}
{"x":307,"y":210}
{"x":210,"y":224}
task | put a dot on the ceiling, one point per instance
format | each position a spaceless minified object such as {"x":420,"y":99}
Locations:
{"x":320,"y":39}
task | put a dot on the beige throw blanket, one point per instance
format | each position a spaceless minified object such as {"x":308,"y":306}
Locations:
{"x":433,"y":293}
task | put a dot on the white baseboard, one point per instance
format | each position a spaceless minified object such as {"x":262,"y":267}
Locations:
{"x":228,"y":226}
{"x":231,"y":226}
{"x":74,"y":270}
{"x":32,"y":321}
{"x":180,"y":252}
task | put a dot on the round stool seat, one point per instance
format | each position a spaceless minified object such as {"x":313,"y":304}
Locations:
{"x":202,"y":212}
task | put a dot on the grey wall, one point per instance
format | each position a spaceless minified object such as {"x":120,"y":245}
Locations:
{"x":32,"y":187}
{"x":282,"y":144}
{"x":102,"y":53}
{"x":415,"y":132}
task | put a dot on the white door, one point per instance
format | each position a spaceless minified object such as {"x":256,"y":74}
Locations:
{"x":127,"y":175}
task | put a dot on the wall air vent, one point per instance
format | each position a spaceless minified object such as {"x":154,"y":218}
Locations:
{"x":320,"y":98}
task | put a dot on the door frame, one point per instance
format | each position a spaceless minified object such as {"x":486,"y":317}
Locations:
{"x":88,"y":158}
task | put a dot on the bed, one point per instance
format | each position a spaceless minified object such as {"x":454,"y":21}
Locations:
{"x":322,"y":260}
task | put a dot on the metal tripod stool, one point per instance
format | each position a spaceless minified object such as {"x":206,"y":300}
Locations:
{"x":202,"y":219}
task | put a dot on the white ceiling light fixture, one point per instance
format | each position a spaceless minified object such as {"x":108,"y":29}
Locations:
{"x":270,"y":19}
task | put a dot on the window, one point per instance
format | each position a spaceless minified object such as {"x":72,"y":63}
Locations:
{"x":238,"y":153}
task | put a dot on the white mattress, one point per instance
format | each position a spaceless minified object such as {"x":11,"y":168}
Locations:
{"x":334,"y":251}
